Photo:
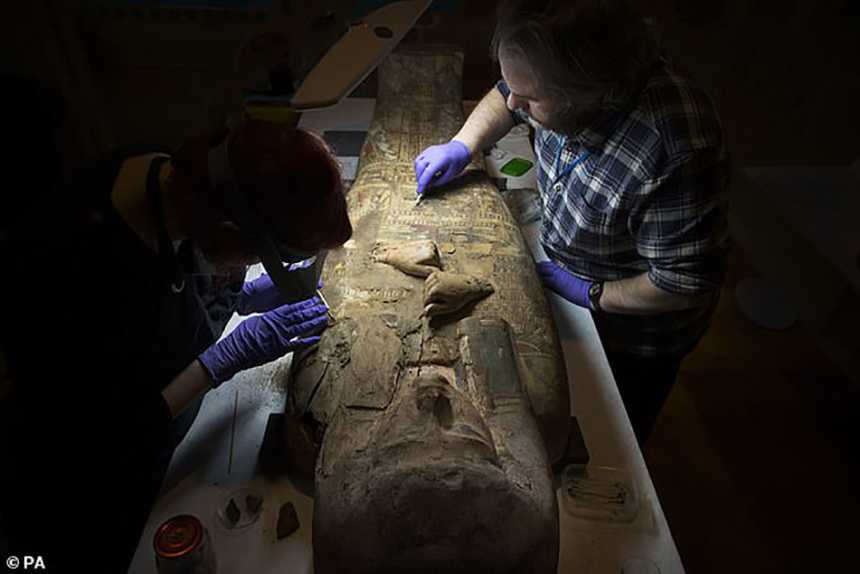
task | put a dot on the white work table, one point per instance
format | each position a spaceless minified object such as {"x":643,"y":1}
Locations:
{"x":218,"y":458}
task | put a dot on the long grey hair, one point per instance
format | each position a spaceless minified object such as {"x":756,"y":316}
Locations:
{"x":573,"y":46}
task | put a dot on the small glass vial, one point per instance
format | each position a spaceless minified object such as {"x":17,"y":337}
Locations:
{"x":182,"y":546}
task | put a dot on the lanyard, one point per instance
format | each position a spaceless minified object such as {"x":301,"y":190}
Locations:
{"x":576,"y":161}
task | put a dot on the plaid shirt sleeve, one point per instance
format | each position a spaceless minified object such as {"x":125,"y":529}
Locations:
{"x":679,"y":221}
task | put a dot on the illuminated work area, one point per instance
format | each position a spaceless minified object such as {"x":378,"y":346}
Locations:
{"x":372,"y":286}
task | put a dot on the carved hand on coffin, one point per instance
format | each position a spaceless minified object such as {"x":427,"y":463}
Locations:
{"x":446,"y":292}
{"x":418,"y":258}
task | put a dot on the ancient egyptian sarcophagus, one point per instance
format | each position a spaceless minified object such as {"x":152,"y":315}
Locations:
{"x":433,"y":406}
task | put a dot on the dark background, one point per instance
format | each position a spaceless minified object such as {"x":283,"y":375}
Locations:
{"x":755,"y":457}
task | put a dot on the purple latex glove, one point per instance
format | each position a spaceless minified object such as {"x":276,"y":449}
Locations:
{"x":260,"y":295}
{"x":264,"y":338}
{"x":565,"y":283}
{"x":447,"y":160}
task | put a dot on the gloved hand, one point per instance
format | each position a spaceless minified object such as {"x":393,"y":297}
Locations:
{"x":260,"y":295}
{"x":264,"y":338}
{"x":257,"y":296}
{"x":448,"y":160}
{"x":565,"y":283}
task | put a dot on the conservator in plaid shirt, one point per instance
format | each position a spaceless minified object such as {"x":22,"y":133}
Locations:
{"x":640,"y":191}
{"x":631,"y":172}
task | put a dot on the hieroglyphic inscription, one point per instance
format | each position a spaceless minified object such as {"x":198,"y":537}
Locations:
{"x":419,"y":106}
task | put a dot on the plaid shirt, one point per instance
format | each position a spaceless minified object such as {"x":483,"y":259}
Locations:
{"x":640,"y":191}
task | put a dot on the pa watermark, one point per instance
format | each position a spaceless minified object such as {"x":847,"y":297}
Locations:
{"x":25,"y":563}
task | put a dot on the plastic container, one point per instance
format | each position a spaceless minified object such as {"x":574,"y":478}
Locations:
{"x":517,"y":167}
{"x":240,"y":509}
{"x":182,"y":546}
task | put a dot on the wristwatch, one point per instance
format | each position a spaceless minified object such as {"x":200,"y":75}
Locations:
{"x":594,"y":294}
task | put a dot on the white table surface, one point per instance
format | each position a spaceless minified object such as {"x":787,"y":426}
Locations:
{"x":203,"y":474}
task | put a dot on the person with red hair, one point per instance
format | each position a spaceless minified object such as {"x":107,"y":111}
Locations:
{"x":119,"y":286}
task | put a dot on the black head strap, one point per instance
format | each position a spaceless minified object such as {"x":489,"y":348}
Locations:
{"x":294,"y":282}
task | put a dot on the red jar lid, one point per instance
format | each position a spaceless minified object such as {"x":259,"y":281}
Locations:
{"x":178,"y":536}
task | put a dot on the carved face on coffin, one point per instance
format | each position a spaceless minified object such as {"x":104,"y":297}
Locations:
{"x":431,"y":420}
{"x":439,"y":483}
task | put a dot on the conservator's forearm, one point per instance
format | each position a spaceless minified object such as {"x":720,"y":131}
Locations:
{"x":639,"y":296}
{"x":186,"y":387}
{"x":487,"y":124}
